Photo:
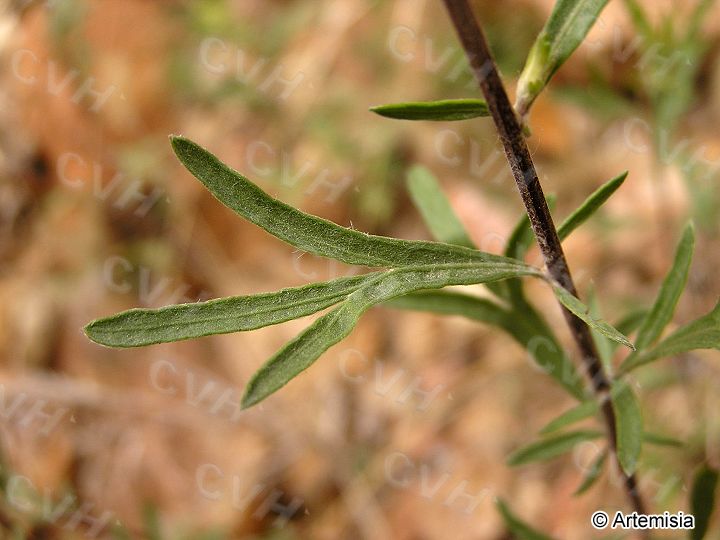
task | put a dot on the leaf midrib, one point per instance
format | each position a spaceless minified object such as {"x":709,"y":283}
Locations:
{"x":226,"y":317}
{"x":565,"y":29}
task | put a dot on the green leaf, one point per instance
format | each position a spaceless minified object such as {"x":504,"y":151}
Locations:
{"x":520,"y":240}
{"x":140,"y":327}
{"x":522,"y":235}
{"x":331,"y":328}
{"x":662,"y":311}
{"x":696,"y":20}
{"x":453,"y":303}
{"x":628,"y":425}
{"x":118,"y":532}
{"x":627,"y":325}
{"x":661,"y":440}
{"x":531,"y":333}
{"x":551,"y":447}
{"x":674,"y":56}
{"x":436,"y":111}
{"x":435,"y":208}
{"x":590,"y":206}
{"x":581,"y":311}
{"x":702,"y":333}
{"x":569,"y":23}
{"x":576,"y":414}
{"x":604,"y":345}
{"x":518,"y":244}
{"x":310,"y":233}
{"x":519,"y":529}
{"x":702,"y":500}
{"x":640,"y":20}
{"x":151,"y":522}
{"x":631,"y":321}
{"x":592,"y":474}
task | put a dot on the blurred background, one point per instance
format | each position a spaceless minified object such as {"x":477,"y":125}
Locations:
{"x":403,"y":429}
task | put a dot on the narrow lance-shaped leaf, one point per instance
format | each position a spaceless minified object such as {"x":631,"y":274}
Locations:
{"x":310,"y":233}
{"x":435,"y":208}
{"x":662,"y":311}
{"x":140,"y":327}
{"x":604,"y":345}
{"x":661,"y":440}
{"x":592,"y":474}
{"x":540,"y":341}
{"x":590,"y":206}
{"x":518,"y":528}
{"x":580,"y":310}
{"x":522,"y":236}
{"x":331,"y":328}
{"x":453,"y":303}
{"x":530,"y":333}
{"x":118,"y":533}
{"x":576,"y":414}
{"x":437,"y":111}
{"x":526,"y":324}
{"x":702,"y":333}
{"x":631,"y":321}
{"x":696,"y":20}
{"x":518,"y":244}
{"x":702,"y":500}
{"x":628,"y":425}
{"x":640,"y":20}
{"x":628,"y":324}
{"x":520,"y":241}
{"x":151,"y":522}
{"x":551,"y":447}
{"x":531,"y":330}
{"x":569,"y":23}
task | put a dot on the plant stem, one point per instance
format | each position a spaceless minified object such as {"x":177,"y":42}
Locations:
{"x":523,"y":169}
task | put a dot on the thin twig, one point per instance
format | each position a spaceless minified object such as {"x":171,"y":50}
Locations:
{"x":523,"y":169}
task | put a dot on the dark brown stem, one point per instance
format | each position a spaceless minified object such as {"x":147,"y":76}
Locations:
{"x":523,"y":169}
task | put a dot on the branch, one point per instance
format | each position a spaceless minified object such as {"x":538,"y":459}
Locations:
{"x":523,"y":169}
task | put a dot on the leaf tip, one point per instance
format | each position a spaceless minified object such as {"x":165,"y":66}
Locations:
{"x":178,"y":143}
{"x":416,"y":175}
{"x":91,"y":332}
{"x":380,"y":110}
{"x":629,"y":468}
{"x":88,"y":330}
{"x":689,"y":230}
{"x":250,"y":398}
{"x":252,"y":394}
